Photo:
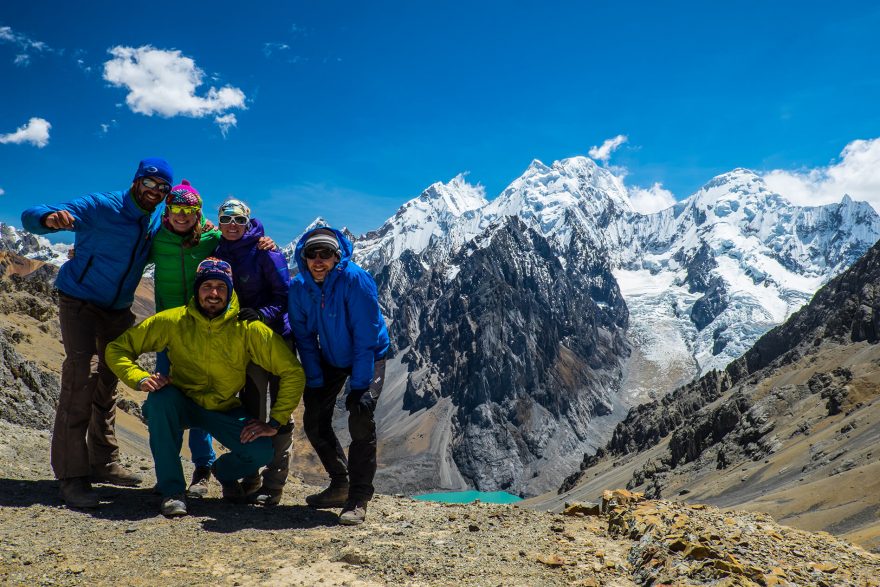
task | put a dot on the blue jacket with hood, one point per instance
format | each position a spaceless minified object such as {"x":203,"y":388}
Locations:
{"x":339,"y":320}
{"x":261,"y":279}
{"x":112,"y":243}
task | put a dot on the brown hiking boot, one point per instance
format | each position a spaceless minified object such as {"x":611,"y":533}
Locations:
{"x":251,"y":484}
{"x":77,"y":492}
{"x":334,"y":496}
{"x":353,"y":514}
{"x":115,"y":474}
{"x":198,"y":487}
{"x":232,"y":491}
{"x":266,"y":496}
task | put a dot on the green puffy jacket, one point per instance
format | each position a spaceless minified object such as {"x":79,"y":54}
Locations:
{"x":209,"y":356}
{"x":176,"y":265}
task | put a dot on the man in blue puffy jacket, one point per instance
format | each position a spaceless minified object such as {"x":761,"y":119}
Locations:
{"x":114,"y":232}
{"x":340,"y":335}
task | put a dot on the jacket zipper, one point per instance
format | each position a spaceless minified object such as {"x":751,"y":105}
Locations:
{"x":130,"y":261}
{"x":86,"y":270}
{"x":183,"y":274}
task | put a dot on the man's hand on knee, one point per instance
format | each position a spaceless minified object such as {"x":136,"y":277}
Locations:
{"x":360,"y":401}
{"x":154,"y":382}
{"x":255,"y":429}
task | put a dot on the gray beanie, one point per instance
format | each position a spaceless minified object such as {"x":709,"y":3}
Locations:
{"x":321,"y":238}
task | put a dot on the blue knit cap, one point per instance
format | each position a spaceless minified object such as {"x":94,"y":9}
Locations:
{"x":155,"y":167}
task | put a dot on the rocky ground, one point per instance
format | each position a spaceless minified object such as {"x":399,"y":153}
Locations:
{"x":404,"y":542}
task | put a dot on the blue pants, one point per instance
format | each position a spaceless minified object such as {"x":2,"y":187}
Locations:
{"x":169,"y":412}
{"x":200,"y":446}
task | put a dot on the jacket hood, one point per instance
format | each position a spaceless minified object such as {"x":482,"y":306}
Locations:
{"x":345,"y":251}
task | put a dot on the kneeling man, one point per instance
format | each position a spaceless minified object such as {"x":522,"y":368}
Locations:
{"x":209,"y":351}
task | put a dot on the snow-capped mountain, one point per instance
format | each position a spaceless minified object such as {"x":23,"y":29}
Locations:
{"x":442,"y":213}
{"x":707,"y":277}
{"x":32,"y":246}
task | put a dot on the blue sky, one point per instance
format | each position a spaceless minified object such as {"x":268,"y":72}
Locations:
{"x":348,"y":109}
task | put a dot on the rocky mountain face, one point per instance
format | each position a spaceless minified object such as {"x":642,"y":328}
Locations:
{"x":803,"y":401}
{"x":528,"y":351}
{"x":28,"y":390}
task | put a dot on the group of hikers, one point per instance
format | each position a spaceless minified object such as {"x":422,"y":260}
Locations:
{"x":229,"y":325}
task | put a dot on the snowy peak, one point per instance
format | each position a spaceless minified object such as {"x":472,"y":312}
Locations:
{"x":455,"y":197}
{"x":420,"y":222}
{"x":32,"y":246}
{"x":574,"y":189}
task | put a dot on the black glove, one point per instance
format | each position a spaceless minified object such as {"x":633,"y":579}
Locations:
{"x":250,"y":314}
{"x":360,"y":401}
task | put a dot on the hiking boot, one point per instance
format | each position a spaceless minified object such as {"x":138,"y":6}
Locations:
{"x":115,"y":474}
{"x":266,"y":496}
{"x":173,"y":505}
{"x":334,"y":496}
{"x":77,"y":492}
{"x":198,"y":487}
{"x":353,"y":513}
{"x":251,"y":484}
{"x":232,"y":491}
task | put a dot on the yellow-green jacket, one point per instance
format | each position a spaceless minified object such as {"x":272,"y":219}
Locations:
{"x":209,"y":356}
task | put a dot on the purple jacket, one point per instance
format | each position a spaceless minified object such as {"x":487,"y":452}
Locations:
{"x":260,"y":278}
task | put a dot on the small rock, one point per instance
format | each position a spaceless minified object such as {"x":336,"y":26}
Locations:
{"x":473,"y":528}
{"x":354,"y":557}
{"x":551,"y":560}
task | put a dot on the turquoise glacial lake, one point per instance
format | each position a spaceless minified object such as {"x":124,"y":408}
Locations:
{"x":469,"y":496}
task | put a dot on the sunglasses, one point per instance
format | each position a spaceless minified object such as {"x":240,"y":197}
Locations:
{"x":319,"y":253}
{"x":177,"y":209}
{"x":155,"y":185}
{"x":226,"y":219}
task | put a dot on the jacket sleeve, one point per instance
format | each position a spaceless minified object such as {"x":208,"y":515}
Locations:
{"x":306,"y":341}
{"x":269,"y":351}
{"x":366,"y":320}
{"x":82,"y":210}
{"x":151,"y":335}
{"x":274,"y":268}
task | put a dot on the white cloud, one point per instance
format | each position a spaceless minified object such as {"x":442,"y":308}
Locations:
{"x":603,"y":153}
{"x":857,"y":173}
{"x":2,"y":191}
{"x":226,"y":122}
{"x":24,"y":43}
{"x":269,"y":48}
{"x":652,"y":199}
{"x":165,"y":83}
{"x":35,"y":132}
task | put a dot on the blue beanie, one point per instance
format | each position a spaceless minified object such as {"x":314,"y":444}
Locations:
{"x":155,"y":167}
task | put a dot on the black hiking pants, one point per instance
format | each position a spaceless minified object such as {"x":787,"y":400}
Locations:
{"x":319,"y":402}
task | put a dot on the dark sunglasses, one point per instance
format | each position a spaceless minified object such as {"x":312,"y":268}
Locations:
{"x":226,"y":219}
{"x":155,"y":185}
{"x":319,"y":253}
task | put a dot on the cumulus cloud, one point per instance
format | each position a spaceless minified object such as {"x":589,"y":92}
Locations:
{"x":165,"y":83}
{"x":603,"y":153}
{"x":226,"y":122}
{"x":35,"y":132}
{"x":857,"y":173}
{"x":652,"y":199}
{"x":25,"y":44}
